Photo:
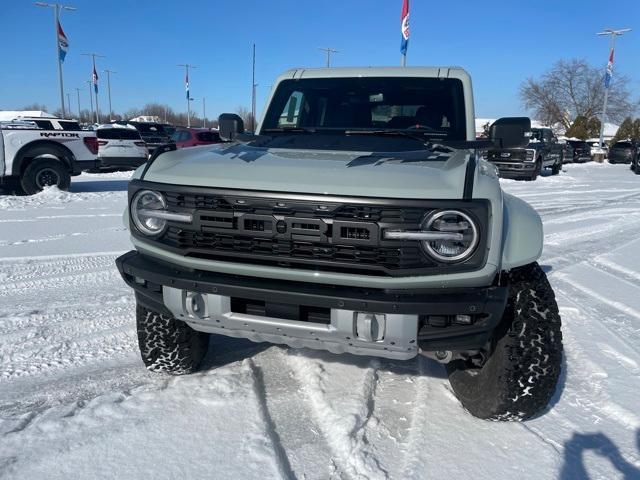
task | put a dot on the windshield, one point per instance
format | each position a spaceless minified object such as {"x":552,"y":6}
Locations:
{"x":432,"y":106}
{"x":149,"y":128}
{"x":536,"y":135}
{"x":623,"y":145}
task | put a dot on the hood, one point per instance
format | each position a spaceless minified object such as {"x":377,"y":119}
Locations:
{"x":415,"y":174}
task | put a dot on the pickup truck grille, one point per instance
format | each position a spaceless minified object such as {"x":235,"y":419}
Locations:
{"x":507,"y":156}
{"x":316,"y":232}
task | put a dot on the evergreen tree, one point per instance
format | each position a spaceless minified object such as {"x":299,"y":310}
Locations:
{"x":579,"y":128}
{"x":593,"y":127}
{"x":636,"y":130}
{"x":625,"y":131}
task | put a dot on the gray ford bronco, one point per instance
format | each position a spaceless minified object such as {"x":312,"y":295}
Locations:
{"x":359,"y":218}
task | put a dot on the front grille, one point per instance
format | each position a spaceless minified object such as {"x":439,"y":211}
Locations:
{"x":507,"y":156}
{"x":273,"y":231}
{"x":320,"y":233}
{"x":289,"y":252}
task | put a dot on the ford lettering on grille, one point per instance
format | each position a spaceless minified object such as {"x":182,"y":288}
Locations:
{"x":316,"y":230}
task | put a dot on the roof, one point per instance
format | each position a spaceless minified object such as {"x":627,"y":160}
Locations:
{"x":116,"y":125}
{"x":6,"y":115}
{"x":341,"y":72}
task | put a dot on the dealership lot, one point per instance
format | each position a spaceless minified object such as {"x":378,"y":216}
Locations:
{"x":75,"y":398}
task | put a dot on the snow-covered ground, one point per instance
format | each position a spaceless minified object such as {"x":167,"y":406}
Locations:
{"x":76,"y":401}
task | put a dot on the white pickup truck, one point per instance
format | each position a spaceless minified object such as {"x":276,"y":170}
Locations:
{"x":36,"y":152}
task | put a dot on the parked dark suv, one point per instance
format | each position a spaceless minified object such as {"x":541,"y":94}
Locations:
{"x":577,"y":151}
{"x":623,"y":152}
{"x":153,"y":134}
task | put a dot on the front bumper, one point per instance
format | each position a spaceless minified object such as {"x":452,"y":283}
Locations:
{"x":515,"y":170}
{"x":405,"y":320}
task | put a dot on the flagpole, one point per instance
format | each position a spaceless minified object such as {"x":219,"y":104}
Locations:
{"x":90,"y":98}
{"x":95,"y":83}
{"x":404,"y":32}
{"x":108,"y":72}
{"x":186,"y":68}
{"x":95,"y":89}
{"x":79,"y":111}
{"x":612,"y":45}
{"x":56,"y":19}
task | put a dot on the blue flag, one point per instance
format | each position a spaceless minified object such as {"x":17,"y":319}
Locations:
{"x":63,"y":43}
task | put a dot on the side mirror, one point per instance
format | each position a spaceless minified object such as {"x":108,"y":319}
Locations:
{"x":230,"y":126}
{"x":510,"y":132}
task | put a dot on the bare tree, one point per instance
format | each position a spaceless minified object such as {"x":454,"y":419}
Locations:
{"x":36,"y":106}
{"x":247,"y":118}
{"x":573,"y":88}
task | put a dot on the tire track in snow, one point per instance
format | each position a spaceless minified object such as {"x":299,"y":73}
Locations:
{"x":22,"y":326}
{"x":64,"y":327}
{"x":102,"y":346}
{"x":15,"y":273}
{"x":68,"y":283}
{"x":587,"y":388}
{"x":343,"y":415}
{"x":287,"y":409}
{"x":261,"y":394}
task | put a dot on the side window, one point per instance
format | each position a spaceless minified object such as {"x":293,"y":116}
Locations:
{"x":44,"y":124}
{"x":290,"y":116}
{"x":208,"y":137}
{"x":69,"y":125}
{"x":185,"y":136}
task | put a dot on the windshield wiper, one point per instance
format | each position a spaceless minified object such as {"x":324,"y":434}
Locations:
{"x":419,"y":134}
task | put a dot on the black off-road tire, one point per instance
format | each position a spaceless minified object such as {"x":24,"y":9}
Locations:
{"x":557,"y":167}
{"x":169,"y":345}
{"x":44,"y":172}
{"x":536,"y":171}
{"x":519,"y":378}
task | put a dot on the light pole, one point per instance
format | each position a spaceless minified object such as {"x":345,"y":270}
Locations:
{"x":56,"y":21}
{"x":108,"y":72}
{"x":204,"y":113}
{"x":69,"y":104}
{"x":79,"y":111}
{"x":253,"y":91}
{"x":186,"y":83}
{"x":612,"y":34}
{"x":94,"y":78}
{"x":328,"y":51}
{"x":90,"y":97}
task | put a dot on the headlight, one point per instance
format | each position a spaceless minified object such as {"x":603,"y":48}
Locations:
{"x":143,"y":206}
{"x":451,"y":221}
{"x":531,"y":155}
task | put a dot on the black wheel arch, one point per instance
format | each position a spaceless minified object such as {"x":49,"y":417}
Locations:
{"x":23,"y":157}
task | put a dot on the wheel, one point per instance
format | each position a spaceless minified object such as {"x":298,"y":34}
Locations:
{"x":169,"y":345}
{"x":520,"y":375}
{"x":44,"y":173}
{"x":536,"y":171}
{"x":557,"y":167}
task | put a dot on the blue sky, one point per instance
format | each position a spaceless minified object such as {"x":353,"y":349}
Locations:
{"x":499,"y":42}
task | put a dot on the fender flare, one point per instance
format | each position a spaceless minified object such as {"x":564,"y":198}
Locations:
{"x":57,"y":150}
{"x":522,"y":233}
